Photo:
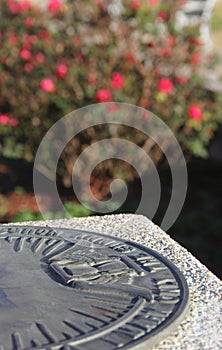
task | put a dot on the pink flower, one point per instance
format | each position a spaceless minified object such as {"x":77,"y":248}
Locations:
{"x":26,"y":43}
{"x":29,"y":21}
{"x":4,"y":119}
{"x":25,"y":54}
{"x":103,"y":95}
{"x":153,"y":2}
{"x":54,"y":6}
{"x":117,"y":81}
{"x":28,"y":67}
{"x":24,"y":5}
{"x":40,"y":58}
{"x":47,"y":85}
{"x":165,"y":85}
{"x":195,"y":112}
{"x":61,"y":70}
{"x":195,"y":59}
{"x":13,"y":6}
{"x":16,"y":7}
{"x":13,"y":122}
{"x":135,"y":4}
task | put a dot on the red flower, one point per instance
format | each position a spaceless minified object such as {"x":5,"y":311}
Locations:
{"x":13,"y":122}
{"x":117,"y":81}
{"x":195,"y":59}
{"x":43,"y":34}
{"x":61,"y":70}
{"x":162,"y":15}
{"x":4,"y":119}
{"x":40,"y":58}
{"x":153,"y":2}
{"x":171,"y":40}
{"x":47,"y":85}
{"x":13,"y":6}
{"x":150,"y":44}
{"x":18,"y":7}
{"x":54,"y":6}
{"x":28,"y":67}
{"x":25,"y":54}
{"x":26,"y":42}
{"x":165,"y":85}
{"x":195,"y":41}
{"x":195,"y":112}
{"x":13,"y":39}
{"x":129,"y":58}
{"x":29,"y":21}
{"x":181,"y":80}
{"x":24,"y":5}
{"x":135,"y":4}
{"x":103,"y":95}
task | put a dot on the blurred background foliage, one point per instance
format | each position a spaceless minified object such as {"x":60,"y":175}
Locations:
{"x":65,"y":55}
{"x":77,"y":53}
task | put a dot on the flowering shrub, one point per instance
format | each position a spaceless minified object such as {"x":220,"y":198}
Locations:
{"x":80,"y":52}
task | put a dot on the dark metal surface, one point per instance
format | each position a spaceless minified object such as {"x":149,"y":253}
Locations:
{"x":71,"y":289}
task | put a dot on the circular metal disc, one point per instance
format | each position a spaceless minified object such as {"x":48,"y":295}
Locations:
{"x":72,"y":289}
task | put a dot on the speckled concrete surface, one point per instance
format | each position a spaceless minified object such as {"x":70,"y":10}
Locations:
{"x":202,"y":327}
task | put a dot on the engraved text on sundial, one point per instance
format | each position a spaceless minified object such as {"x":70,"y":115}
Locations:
{"x":70,"y":289}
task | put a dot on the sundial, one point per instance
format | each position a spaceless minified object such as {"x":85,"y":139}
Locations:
{"x":64,"y":289}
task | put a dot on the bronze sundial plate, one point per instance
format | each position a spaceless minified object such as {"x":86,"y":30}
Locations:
{"x":72,"y":289}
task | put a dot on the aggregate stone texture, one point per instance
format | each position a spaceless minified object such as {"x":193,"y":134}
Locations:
{"x":202,"y":326}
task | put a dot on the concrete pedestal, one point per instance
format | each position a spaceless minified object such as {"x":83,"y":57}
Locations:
{"x":201,"y":329}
